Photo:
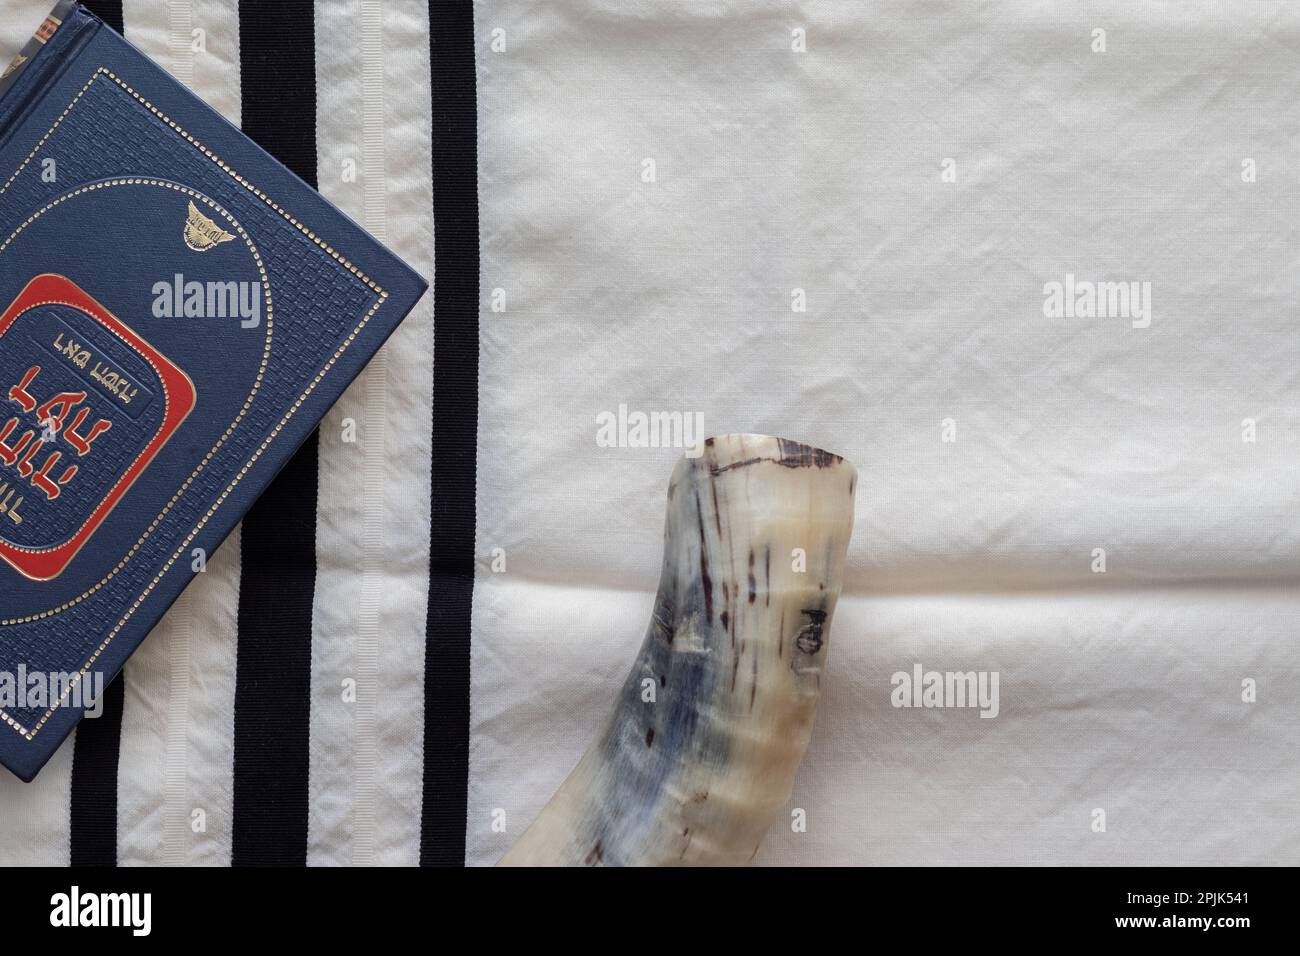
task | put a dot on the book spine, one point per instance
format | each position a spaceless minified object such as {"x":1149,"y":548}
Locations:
{"x":42,"y":61}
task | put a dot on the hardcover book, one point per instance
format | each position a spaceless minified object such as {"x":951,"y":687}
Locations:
{"x":177,"y":313}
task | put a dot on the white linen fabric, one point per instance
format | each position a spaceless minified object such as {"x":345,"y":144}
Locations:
{"x":916,"y":173}
{"x":834,"y":222}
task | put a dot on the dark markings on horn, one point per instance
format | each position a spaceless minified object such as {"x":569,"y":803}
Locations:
{"x":706,"y":582}
{"x":716,"y":470}
{"x":810,"y":635}
{"x":767,"y":575}
{"x":796,"y":455}
{"x":623,"y":804}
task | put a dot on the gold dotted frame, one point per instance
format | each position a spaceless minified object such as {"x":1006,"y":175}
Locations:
{"x":248,"y":402}
{"x":30,"y":734}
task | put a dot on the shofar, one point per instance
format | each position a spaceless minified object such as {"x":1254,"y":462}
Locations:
{"x":701,"y":752}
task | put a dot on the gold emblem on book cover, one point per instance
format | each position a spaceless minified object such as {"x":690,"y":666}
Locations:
{"x":201,"y":233}
{"x":18,"y":61}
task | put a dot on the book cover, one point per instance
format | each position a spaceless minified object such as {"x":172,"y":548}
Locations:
{"x":177,"y":313}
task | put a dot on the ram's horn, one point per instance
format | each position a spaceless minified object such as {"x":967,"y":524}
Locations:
{"x":708,"y":731}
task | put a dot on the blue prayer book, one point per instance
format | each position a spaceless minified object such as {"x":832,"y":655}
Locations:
{"x":177,"y":313}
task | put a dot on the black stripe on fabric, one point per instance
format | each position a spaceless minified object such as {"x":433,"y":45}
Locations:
{"x":92,"y":824}
{"x":110,"y":11}
{"x":278,"y":544}
{"x":455,"y":429}
{"x":93,"y":818}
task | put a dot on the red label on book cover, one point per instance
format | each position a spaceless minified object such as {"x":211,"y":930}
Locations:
{"x":89,"y":407}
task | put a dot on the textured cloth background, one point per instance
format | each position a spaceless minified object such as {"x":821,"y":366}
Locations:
{"x":776,"y":170}
{"x":822,"y":171}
